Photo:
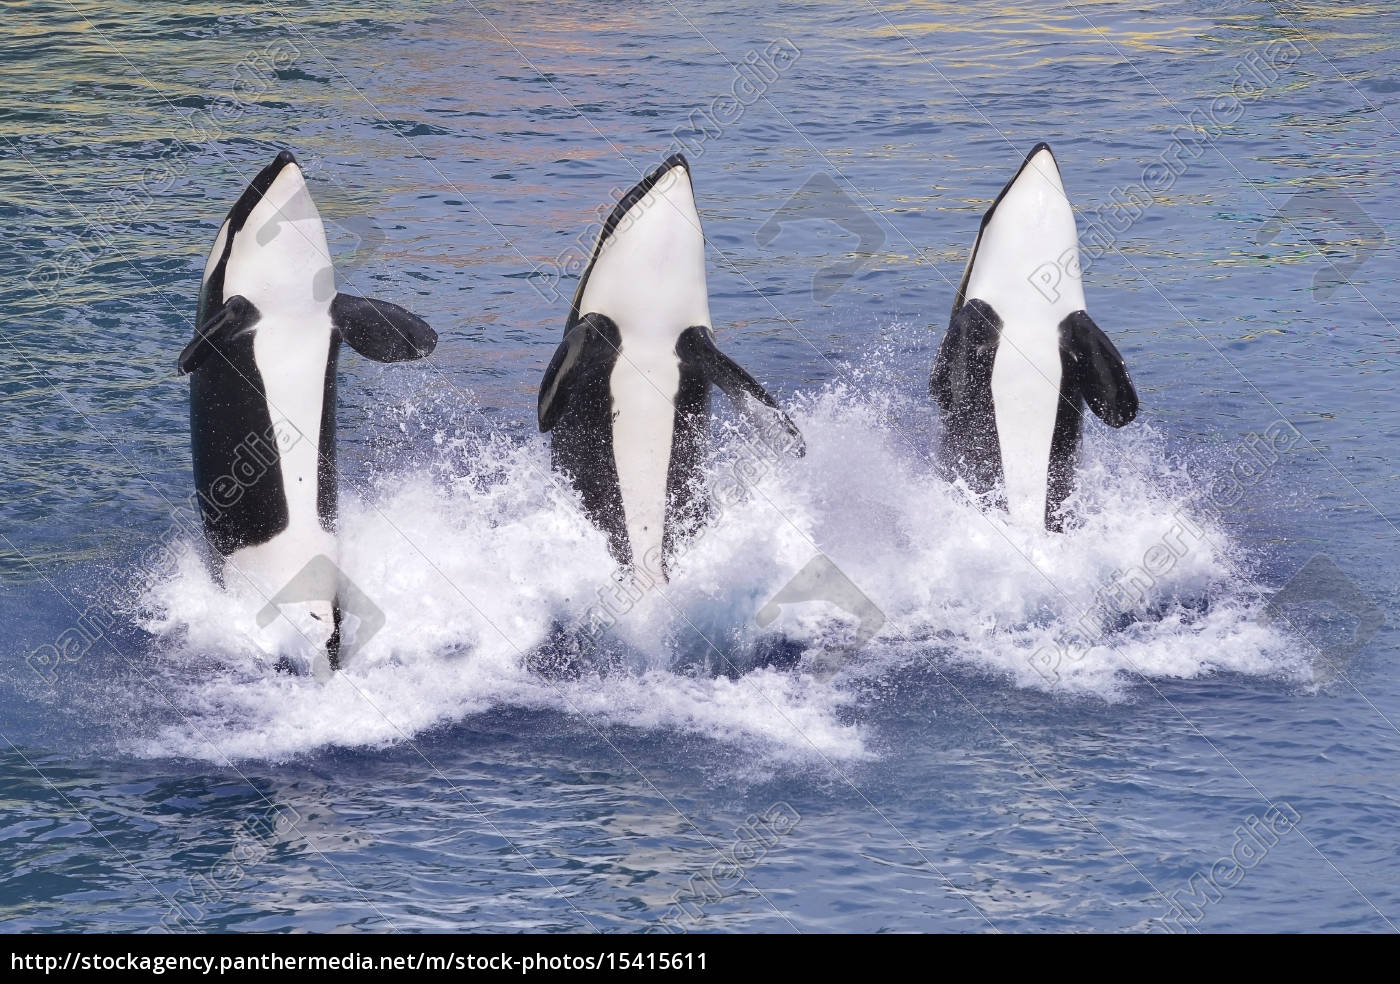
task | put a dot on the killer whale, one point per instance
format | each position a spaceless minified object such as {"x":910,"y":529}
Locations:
{"x":625,"y":397}
{"x":262,"y":368}
{"x":1018,"y":364}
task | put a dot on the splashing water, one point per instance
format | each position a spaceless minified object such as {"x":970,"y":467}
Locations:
{"x":481,"y":562}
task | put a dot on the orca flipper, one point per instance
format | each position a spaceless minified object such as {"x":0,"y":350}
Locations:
{"x":1103,"y":378}
{"x":961,"y":383}
{"x":237,"y":314}
{"x":593,"y":335}
{"x":697,"y":350}
{"x":964,"y":359}
{"x":380,"y":330}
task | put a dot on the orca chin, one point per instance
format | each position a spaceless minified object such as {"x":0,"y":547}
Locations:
{"x":262,"y":367}
{"x":1019,"y":363}
{"x":626,"y":397}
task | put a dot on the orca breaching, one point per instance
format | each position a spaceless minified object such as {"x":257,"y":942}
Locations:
{"x":627,"y":394}
{"x":262,"y":369}
{"x":1017,"y":365}
{"x":625,"y":398}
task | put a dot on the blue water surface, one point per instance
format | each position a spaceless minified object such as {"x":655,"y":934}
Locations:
{"x":1221,"y":757}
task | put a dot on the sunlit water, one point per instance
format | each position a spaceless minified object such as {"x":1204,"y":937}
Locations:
{"x":965,"y":755}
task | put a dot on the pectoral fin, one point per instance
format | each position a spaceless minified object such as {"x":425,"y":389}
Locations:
{"x":1103,"y":378}
{"x":965,"y":355}
{"x":236,"y":316}
{"x":380,"y":330}
{"x":697,"y":349}
{"x":595,"y":337}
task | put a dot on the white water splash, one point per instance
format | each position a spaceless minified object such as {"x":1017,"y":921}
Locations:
{"x":479,"y":560}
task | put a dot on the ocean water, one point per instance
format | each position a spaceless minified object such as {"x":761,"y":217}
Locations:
{"x":1179,"y":716}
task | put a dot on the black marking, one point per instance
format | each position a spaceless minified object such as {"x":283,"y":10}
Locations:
{"x":1103,"y":376}
{"x":211,"y":293}
{"x":624,"y":205}
{"x":1092,"y":371}
{"x":237,"y":464}
{"x":559,"y":374}
{"x":687,"y":499}
{"x":333,"y":643}
{"x":582,"y":427}
{"x":962,"y":384}
{"x":327,"y":488}
{"x":696,"y":347}
{"x":1068,"y":434}
{"x":380,"y":330}
{"x":960,"y":298}
{"x":237,"y":315}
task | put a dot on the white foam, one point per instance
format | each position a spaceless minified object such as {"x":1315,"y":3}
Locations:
{"x":476,"y":557}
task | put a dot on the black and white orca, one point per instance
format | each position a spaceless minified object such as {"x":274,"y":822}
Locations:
{"x":627,"y":394}
{"x":1019,"y":362}
{"x":262,"y":369}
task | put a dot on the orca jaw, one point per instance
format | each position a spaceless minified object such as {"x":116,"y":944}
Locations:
{"x":647,"y":273}
{"x":272,"y":248}
{"x":1029,"y":225}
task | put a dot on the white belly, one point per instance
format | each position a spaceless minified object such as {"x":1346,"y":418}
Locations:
{"x":291,"y":355}
{"x":1026,"y":398}
{"x":279,"y":567}
{"x":644,"y":383}
{"x":283,"y":578}
{"x":279,"y":575}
